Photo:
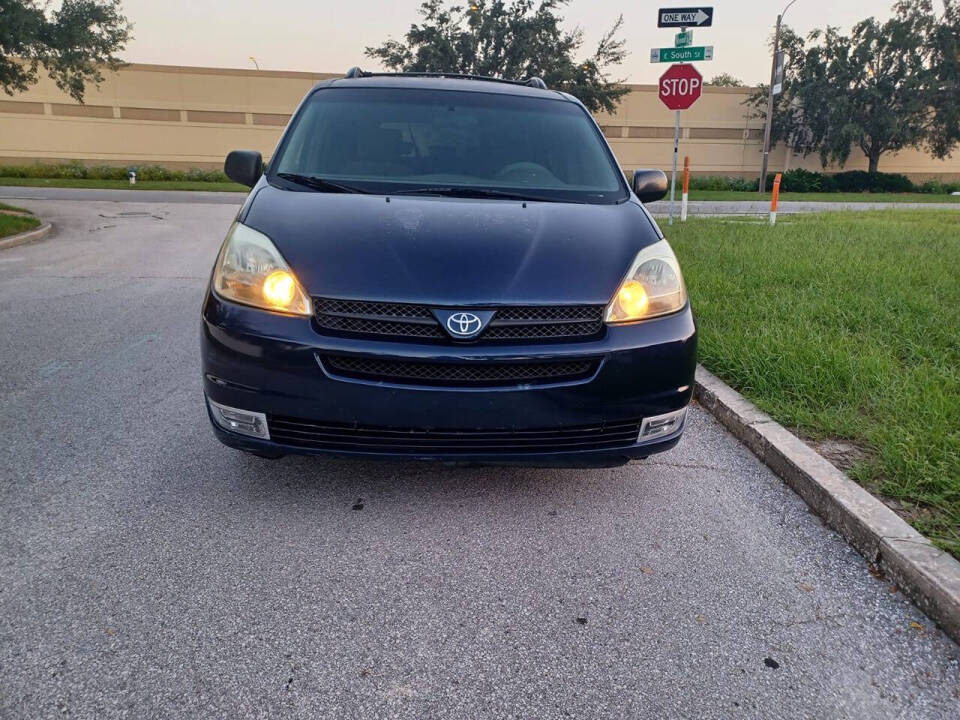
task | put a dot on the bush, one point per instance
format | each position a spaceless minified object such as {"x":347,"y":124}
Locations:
{"x":156,"y":172}
{"x":939,"y":187}
{"x":800,"y":180}
{"x":77,"y":170}
{"x":707,"y":182}
{"x":863,"y":181}
{"x":198,"y":175}
{"x":74,"y":170}
{"x":106,"y":172}
{"x":12,"y":171}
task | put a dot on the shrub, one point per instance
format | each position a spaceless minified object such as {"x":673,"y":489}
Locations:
{"x":200,"y":175}
{"x":939,"y":187}
{"x":106,"y":172}
{"x":74,"y":170}
{"x":77,"y":170}
{"x":12,"y":171}
{"x":863,"y":181}
{"x":708,"y":182}
{"x":744,"y":184}
{"x":800,"y":180}
{"x":156,"y":172}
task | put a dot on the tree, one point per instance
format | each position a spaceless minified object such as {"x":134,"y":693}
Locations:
{"x":73,"y":44}
{"x":508,"y":39}
{"x":944,"y":42}
{"x":882,"y":88}
{"x":725,"y":80}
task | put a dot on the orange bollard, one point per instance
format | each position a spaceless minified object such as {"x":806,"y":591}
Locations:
{"x":686,"y":189}
{"x":773,"y":200}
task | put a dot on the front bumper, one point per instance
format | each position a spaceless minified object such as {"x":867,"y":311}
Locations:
{"x":267,"y":362}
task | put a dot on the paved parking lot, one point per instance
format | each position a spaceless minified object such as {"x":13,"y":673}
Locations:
{"x":147,"y":571}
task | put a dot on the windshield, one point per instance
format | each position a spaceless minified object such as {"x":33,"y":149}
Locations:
{"x":388,"y":140}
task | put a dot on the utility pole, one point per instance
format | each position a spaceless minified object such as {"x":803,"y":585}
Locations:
{"x":769,"y":122}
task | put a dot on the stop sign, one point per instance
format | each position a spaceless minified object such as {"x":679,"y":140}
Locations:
{"x":680,"y":86}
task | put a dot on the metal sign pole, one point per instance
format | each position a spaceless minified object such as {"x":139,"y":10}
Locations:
{"x":676,"y":149}
{"x":673,"y":175}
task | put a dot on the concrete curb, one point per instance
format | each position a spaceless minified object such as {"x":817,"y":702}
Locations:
{"x":926,"y":574}
{"x":25,"y":237}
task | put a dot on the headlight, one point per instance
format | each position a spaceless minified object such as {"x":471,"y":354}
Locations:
{"x":653,"y":287}
{"x":251,"y":271}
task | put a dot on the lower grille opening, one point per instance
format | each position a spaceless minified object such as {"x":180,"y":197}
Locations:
{"x":418,"y":441}
{"x":474,"y":374}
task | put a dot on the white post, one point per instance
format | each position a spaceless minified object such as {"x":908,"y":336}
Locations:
{"x":686,"y":189}
{"x":673,"y":175}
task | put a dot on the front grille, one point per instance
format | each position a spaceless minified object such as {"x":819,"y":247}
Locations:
{"x":459,"y":374}
{"x":418,"y":441}
{"x":389,"y":320}
{"x":398,"y":321}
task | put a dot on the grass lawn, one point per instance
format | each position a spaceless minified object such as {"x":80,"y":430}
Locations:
{"x":844,"y":326}
{"x":13,"y":224}
{"x":822,"y":197}
{"x":123,"y":184}
{"x":13,"y":208}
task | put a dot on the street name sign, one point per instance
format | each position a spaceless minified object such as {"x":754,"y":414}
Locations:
{"x":683,"y":39}
{"x":680,"y":86}
{"x":685,"y":17}
{"x":681,"y":54}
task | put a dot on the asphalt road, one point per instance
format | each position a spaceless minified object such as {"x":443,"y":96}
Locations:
{"x":146,"y":571}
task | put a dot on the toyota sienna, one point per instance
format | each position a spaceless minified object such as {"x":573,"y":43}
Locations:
{"x":448,"y":268}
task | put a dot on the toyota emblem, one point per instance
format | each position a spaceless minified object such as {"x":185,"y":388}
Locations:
{"x":464,"y":324}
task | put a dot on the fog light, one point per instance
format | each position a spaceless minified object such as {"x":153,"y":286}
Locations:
{"x":660,"y":425}
{"x":243,"y":422}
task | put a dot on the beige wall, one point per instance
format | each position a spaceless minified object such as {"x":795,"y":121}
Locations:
{"x":191,"y":117}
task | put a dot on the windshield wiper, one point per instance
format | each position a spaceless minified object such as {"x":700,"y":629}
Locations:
{"x":318,"y":183}
{"x":469,"y":192}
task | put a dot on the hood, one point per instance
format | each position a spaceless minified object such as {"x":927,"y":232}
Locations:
{"x":451,"y":251}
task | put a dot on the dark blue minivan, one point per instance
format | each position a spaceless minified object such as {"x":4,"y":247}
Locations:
{"x":447,"y":268}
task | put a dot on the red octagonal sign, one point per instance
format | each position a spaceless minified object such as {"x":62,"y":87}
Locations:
{"x":680,"y":86}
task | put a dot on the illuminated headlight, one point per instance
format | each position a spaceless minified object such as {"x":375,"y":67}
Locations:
{"x":652,"y":287}
{"x":239,"y":421}
{"x":250,"y":270}
{"x":661,"y":425}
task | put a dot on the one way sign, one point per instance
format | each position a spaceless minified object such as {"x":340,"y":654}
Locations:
{"x":685,"y":17}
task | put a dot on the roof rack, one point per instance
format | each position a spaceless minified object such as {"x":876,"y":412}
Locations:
{"x":534,"y":82}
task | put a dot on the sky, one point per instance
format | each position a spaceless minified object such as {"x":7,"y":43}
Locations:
{"x":330,"y":36}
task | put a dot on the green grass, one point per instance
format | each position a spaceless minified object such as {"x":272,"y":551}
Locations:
{"x":823,"y":197}
{"x":844,"y":325}
{"x":123,"y":184}
{"x":13,"y":224}
{"x":13,"y":208}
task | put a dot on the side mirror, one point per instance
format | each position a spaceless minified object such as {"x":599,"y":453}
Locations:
{"x":244,"y":166}
{"x":648,"y":185}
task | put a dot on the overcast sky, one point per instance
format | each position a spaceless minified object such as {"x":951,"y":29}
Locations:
{"x":325,"y":36}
